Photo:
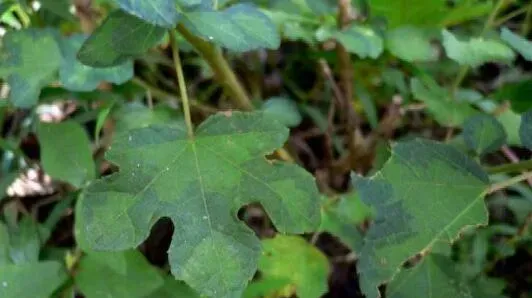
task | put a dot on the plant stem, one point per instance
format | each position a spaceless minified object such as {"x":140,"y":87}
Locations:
{"x":464,"y":70}
{"x":220,"y":67}
{"x":182,"y":85}
{"x":511,"y":15}
{"x":506,"y":183}
{"x":511,"y":167}
{"x":527,"y":23}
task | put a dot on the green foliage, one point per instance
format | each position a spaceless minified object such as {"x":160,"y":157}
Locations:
{"x":117,"y":40}
{"x":411,"y":44}
{"x":521,"y":45}
{"x":476,"y":51}
{"x":343,"y":217}
{"x":78,"y":77}
{"x":119,"y":116}
{"x":239,"y":28}
{"x":124,"y":274}
{"x":225,"y":169}
{"x":399,"y":192}
{"x":29,"y":60}
{"x":525,"y":130}
{"x":66,"y":153}
{"x":290,"y":264}
{"x":484,"y":134}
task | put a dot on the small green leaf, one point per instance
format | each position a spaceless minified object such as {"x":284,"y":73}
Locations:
{"x":525,"y":130}
{"x":511,"y":122}
{"x":117,"y":274}
{"x":476,"y":51}
{"x":343,"y":217}
{"x":65,"y":152}
{"x":79,"y":77}
{"x":284,"y":110}
{"x":446,"y":111}
{"x":118,"y":40}
{"x":31,"y":280}
{"x":484,"y":134}
{"x":521,"y":45}
{"x":29,"y":60}
{"x":199,"y":184}
{"x":296,"y":262}
{"x":411,"y":44}
{"x":426,"y":192}
{"x":360,"y":40}
{"x":240,"y":28}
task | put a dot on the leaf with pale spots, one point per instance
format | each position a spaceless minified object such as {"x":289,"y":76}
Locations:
{"x":199,"y":183}
{"x":426,"y":192}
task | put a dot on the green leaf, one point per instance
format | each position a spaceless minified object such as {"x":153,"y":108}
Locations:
{"x":240,"y":28}
{"x":411,"y":44}
{"x":446,"y":111}
{"x":163,"y":13}
{"x":29,"y":60}
{"x":342,"y":218}
{"x":484,"y":134}
{"x":295,"y":261}
{"x":65,"y":152}
{"x":518,"y":95}
{"x":31,"y":280}
{"x":426,"y":192}
{"x":199,"y":184}
{"x":476,"y":51}
{"x":60,"y":8}
{"x":136,"y":115}
{"x":284,"y":110}
{"x":360,"y":40}
{"x":173,"y":289}
{"x":117,"y":40}
{"x":511,"y":122}
{"x":436,"y":276}
{"x":518,"y":43}
{"x":525,"y":130}
{"x":433,"y":13}
{"x":117,"y":274}
{"x":78,"y":77}
{"x":24,"y":242}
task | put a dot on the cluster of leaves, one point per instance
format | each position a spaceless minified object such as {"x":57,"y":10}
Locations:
{"x":404,"y":222}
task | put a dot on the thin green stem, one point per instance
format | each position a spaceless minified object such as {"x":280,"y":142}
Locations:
{"x":527,"y":23}
{"x":511,"y":167}
{"x":464,"y":70}
{"x":222,"y":71}
{"x":511,"y":15}
{"x":182,"y":85}
{"x":215,"y":4}
{"x":506,"y":183}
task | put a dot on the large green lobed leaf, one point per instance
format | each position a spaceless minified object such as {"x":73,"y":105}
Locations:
{"x":200,"y":184}
{"x":426,"y":192}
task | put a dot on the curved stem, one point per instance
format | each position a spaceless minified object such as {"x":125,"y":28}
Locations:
{"x":464,"y":70}
{"x":511,"y":167}
{"x":506,"y":183}
{"x":222,"y":71}
{"x":182,"y":85}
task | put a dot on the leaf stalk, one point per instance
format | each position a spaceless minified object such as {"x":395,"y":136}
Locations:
{"x":182,"y":85}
